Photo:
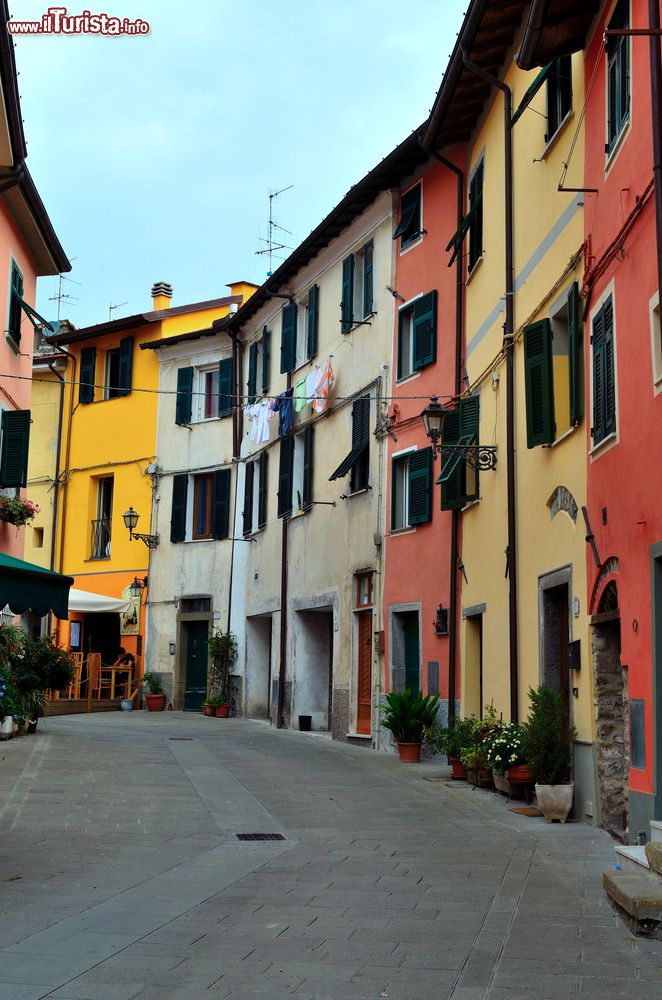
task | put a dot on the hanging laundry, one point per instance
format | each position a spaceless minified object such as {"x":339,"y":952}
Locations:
{"x":283,"y":406}
{"x":311,"y":382}
{"x":262,"y":421}
{"x":323,"y":387}
{"x":301,"y":397}
{"x":251,"y":413}
{"x":272,"y":409}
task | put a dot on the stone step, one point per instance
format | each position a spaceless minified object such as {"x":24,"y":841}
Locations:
{"x":654,"y":857}
{"x":656,"y":831}
{"x":637,"y":896}
{"x":632,"y":858}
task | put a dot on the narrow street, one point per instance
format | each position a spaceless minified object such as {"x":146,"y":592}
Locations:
{"x":122,"y":876}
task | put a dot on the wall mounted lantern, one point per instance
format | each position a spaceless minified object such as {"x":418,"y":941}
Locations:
{"x":137,"y":587}
{"x":130,"y":519}
{"x":441,"y":621}
{"x":478,"y":456}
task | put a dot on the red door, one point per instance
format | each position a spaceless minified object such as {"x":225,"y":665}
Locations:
{"x":364,"y":708}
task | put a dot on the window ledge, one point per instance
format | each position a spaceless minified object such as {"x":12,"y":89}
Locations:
{"x":412,"y":243}
{"x":408,"y":530}
{"x":552,"y":142}
{"x":408,"y":378}
{"x":358,"y":493}
{"x":566,"y":434}
{"x":359,"y":736}
{"x":12,"y":343}
{"x":468,"y":506}
{"x":604,"y":445}
{"x":473,"y":270}
{"x":612,"y":155}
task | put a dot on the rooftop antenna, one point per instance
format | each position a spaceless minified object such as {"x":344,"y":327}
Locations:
{"x":63,"y":296}
{"x":117,"y":305}
{"x":272,"y":244}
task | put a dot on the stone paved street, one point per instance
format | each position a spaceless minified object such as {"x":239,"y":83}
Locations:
{"x":121,"y":875}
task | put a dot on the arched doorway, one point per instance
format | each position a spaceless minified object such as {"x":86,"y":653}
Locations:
{"x":610,"y":692}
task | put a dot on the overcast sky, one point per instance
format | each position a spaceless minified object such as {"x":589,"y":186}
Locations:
{"x":155,"y":154}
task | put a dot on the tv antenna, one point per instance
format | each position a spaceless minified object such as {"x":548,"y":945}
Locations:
{"x":63,"y":296}
{"x":117,"y":305}
{"x":273,"y":244}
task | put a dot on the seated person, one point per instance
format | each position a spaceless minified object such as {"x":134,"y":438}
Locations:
{"x":124,"y":659}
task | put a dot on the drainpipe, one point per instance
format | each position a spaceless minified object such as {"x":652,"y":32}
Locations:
{"x":509,"y":345}
{"x":280,"y":718}
{"x":455,"y":514}
{"x":237,"y":432}
{"x":656,"y":107}
{"x":67,"y":456}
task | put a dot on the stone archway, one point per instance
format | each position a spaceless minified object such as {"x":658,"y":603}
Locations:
{"x":610,"y":692}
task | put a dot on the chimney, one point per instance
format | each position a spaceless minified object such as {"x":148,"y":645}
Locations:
{"x":161,"y":295}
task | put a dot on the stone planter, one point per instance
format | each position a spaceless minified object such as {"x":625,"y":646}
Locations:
{"x":501,"y":783}
{"x":555,"y":801}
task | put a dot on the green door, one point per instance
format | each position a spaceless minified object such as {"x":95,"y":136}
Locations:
{"x":197,"y":635}
{"x":412,"y":651}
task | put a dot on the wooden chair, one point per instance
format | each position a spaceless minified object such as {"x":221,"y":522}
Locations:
{"x":73,"y":690}
{"x":97,"y":681}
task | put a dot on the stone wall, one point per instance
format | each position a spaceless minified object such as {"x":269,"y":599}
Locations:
{"x":612,"y":753}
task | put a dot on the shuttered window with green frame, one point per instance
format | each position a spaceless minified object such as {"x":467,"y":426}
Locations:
{"x":459,"y":483}
{"x":420,"y":486}
{"x":312,"y":320}
{"x":368,"y":278}
{"x":604,"y":375}
{"x":285,"y":473}
{"x":575,"y":355}
{"x":178,"y":513}
{"x":288,"y":338}
{"x":347,"y":295}
{"x":539,"y":383}
{"x":225,"y":394}
{"x":126,"y":364}
{"x":266,"y":360}
{"x":14,"y":448}
{"x":252,"y":371}
{"x":248,"y":498}
{"x":262,"y":490}
{"x":618,"y":76}
{"x":15,"y":296}
{"x":184,"y":404}
{"x":220,"y":524}
{"x":88,"y":362}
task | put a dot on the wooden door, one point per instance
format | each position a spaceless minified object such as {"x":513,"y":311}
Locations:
{"x":364,"y":707}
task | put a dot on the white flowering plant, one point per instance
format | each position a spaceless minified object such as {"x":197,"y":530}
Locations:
{"x":506,"y":748}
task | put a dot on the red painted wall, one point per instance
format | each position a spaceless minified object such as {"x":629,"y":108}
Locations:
{"x":625,"y":479}
{"x":417,"y":560}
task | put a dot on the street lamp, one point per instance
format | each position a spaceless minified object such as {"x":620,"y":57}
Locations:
{"x":131,"y":518}
{"x":136,"y":588}
{"x":477,"y":456}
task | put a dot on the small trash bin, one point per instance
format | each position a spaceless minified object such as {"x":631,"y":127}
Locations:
{"x":304,"y":723}
{"x":126,"y":705}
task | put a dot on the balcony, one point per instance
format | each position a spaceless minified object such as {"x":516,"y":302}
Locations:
{"x":101,"y":538}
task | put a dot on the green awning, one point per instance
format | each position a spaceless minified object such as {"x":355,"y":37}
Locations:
{"x":26,"y":587}
{"x":531,"y":93}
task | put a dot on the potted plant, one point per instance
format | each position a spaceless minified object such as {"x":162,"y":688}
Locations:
{"x":207,"y":708}
{"x":505,"y":753}
{"x":222,"y":657}
{"x":477,"y":765}
{"x":17,"y":510}
{"x":547,"y":749}
{"x":452,"y":740}
{"x":406,"y":715}
{"x":7,"y":706}
{"x":156,"y":696}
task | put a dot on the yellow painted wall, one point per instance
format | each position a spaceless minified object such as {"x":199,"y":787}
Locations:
{"x":548,"y":230}
{"x":42,"y":461}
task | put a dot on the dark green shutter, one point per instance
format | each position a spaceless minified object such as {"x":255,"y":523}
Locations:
{"x":403,"y":317}
{"x":575,"y":354}
{"x":598,"y":342}
{"x":15,"y":447}
{"x":225,"y":387}
{"x":469,"y":427}
{"x":220,"y":513}
{"x":610,"y":374}
{"x":248,"y":497}
{"x":252,"y":372}
{"x":425,"y":330}
{"x":360,"y":439}
{"x":285,"y":476}
{"x":126,"y":359}
{"x":420,"y":486}
{"x":15,"y":295}
{"x":347,"y":304}
{"x":313,"y":319}
{"x":178,"y":514}
{"x":184,"y":406}
{"x":308,"y":439}
{"x":266,"y":360}
{"x":539,"y":383}
{"x":288,"y":338}
{"x":88,"y":360}
{"x":368,"y":289}
{"x":451,"y":487}
{"x":262,"y":493}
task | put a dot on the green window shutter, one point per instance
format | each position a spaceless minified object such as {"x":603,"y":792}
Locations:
{"x":184,"y":406}
{"x":598,"y":342}
{"x":476,"y":225}
{"x":420,"y":486}
{"x":15,"y":296}
{"x":469,"y":427}
{"x":347,"y":304}
{"x":263,"y":464}
{"x":361,"y":421}
{"x":178,"y":514}
{"x":126,"y":359}
{"x":285,"y":476}
{"x":610,"y":374}
{"x":308,"y":440}
{"x":225,"y":387}
{"x":575,"y":354}
{"x":403,"y":317}
{"x":394,"y":466}
{"x":288,"y":338}
{"x":368,"y":282}
{"x":313,"y":319}
{"x":266,"y":360}
{"x":425,"y":330}
{"x":451,"y":468}
{"x":220,"y":514}
{"x":88,"y":360}
{"x":15,"y":446}
{"x":248,"y":498}
{"x":539,"y":383}
{"x":252,"y":373}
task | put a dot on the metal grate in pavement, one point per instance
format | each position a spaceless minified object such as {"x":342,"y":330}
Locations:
{"x":261,"y":836}
{"x":186,"y":739}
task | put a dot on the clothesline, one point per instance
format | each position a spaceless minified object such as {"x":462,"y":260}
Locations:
{"x":314,"y":389}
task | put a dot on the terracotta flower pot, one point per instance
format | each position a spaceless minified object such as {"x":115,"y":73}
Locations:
{"x":208,"y":710}
{"x":155,"y":702}
{"x":458,"y":770}
{"x":519,"y":773}
{"x":410,"y":753}
{"x":222,"y":711}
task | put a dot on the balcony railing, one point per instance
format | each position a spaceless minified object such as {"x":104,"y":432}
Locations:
{"x":101,"y":538}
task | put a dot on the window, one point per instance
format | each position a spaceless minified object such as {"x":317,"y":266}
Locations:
{"x":411,"y":489}
{"x":553,"y":372}
{"x":312,"y":320}
{"x":409,"y":228}
{"x":255,"y":494}
{"x":357,"y":287}
{"x":288,"y":338}
{"x":559,"y":94}
{"x":604,"y":373}
{"x":476,"y":212}
{"x":357,"y":462}
{"x":302,"y":470}
{"x":102,"y":524}
{"x":618,"y":72}
{"x":117,"y":381}
{"x":417,"y":334}
{"x":208,"y":394}
{"x":459,"y":481}
{"x":195,"y":605}
{"x":285,"y":476}
{"x":656,"y":341}
{"x":15,"y":296}
{"x":14,"y":447}
{"x":363,"y":592}
{"x":213,"y":392}
{"x":208,"y":516}
{"x":88,"y":360}
{"x":258,"y":366}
